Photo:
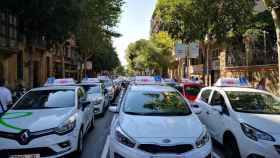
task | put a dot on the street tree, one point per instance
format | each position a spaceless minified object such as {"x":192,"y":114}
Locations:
{"x":164,"y":44}
{"x":274,"y":7}
{"x":191,"y":20}
{"x":95,"y":29}
{"x":154,"y":54}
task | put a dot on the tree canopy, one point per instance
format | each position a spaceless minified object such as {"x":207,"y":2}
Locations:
{"x":92,"y":23}
{"x":154,"y":54}
{"x":190,"y":20}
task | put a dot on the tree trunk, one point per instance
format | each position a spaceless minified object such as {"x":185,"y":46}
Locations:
{"x":276,"y":17}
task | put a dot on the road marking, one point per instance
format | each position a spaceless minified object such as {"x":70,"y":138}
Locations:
{"x":105,"y":149}
{"x":215,"y":155}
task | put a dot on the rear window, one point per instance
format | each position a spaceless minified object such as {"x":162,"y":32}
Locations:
{"x":192,"y":90}
{"x":47,"y":99}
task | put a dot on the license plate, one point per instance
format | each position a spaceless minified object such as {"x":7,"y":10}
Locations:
{"x":168,"y":156}
{"x":25,"y":156}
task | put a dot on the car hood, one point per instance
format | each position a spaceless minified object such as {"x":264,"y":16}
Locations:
{"x":33,"y":120}
{"x":161,"y":127}
{"x":265,"y":122}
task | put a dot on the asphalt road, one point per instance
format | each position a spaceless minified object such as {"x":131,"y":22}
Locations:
{"x":95,"y":140}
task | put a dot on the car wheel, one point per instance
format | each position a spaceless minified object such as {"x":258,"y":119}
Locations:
{"x":231,"y":148}
{"x":103,"y":110}
{"x":80,"y":146}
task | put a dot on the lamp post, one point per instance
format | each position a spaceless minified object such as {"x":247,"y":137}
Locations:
{"x":206,"y":40}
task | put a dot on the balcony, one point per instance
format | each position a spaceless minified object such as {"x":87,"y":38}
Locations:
{"x":256,"y":57}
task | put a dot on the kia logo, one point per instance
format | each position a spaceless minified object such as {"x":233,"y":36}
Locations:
{"x":166,"y":140}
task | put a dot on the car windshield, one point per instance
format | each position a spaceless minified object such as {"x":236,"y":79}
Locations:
{"x":89,"y":88}
{"x":192,"y":90}
{"x":171,"y":84}
{"x":254,"y":102}
{"x":92,"y":90}
{"x":47,"y":99}
{"x":155,"y":103}
{"x":108,"y":83}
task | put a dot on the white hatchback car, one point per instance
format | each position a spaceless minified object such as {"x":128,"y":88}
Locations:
{"x":46,"y":122}
{"x":155,"y":121}
{"x":97,"y":95}
{"x":245,"y":120}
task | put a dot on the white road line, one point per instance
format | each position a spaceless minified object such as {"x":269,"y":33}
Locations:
{"x":105,"y":149}
{"x":215,"y":155}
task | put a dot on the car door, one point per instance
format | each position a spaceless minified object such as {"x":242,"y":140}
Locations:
{"x":216,"y":119}
{"x":202,"y":102}
{"x":86,"y":111}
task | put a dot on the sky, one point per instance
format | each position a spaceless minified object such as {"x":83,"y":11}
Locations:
{"x":134,"y":24}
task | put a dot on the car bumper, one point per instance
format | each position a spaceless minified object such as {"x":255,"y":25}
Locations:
{"x":249,"y":148}
{"x":47,"y":146}
{"x":118,"y":150}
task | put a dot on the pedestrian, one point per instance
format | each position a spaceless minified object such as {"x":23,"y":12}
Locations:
{"x":5,"y":96}
{"x":262,"y":84}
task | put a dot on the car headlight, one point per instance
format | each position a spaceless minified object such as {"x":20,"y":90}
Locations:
{"x":123,"y":138}
{"x":202,"y":139}
{"x":67,"y":126}
{"x":255,"y":134}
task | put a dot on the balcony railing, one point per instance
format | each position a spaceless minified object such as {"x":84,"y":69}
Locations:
{"x":254,"y":57}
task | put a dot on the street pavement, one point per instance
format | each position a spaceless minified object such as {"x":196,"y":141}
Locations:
{"x":96,"y":143}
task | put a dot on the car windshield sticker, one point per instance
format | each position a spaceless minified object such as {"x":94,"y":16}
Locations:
{"x":13,"y":115}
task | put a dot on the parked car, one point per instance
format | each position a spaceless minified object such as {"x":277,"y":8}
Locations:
{"x":245,"y":120}
{"x":156,"y":121}
{"x":46,"y":122}
{"x":109,"y":85}
{"x":97,"y":94}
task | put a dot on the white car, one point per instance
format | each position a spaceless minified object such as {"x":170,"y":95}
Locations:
{"x":109,"y":88}
{"x":245,"y":120}
{"x":155,"y":121}
{"x":97,"y":95}
{"x":46,"y":122}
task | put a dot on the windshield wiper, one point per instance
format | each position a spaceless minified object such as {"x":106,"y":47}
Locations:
{"x":135,"y":113}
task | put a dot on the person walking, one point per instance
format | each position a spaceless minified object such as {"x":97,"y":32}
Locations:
{"x":262,"y":84}
{"x":5,"y":96}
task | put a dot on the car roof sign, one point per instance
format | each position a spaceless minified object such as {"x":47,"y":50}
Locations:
{"x":147,"y":80}
{"x":90,"y":80}
{"x":232,"y":82}
{"x":60,"y":82}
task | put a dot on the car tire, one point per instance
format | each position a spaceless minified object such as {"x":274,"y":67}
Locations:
{"x":80,"y":144}
{"x":103,"y":111}
{"x":231,"y":148}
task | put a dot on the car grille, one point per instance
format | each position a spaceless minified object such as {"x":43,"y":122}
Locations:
{"x":277,"y":147}
{"x":44,"y":152}
{"x":153,"y":148}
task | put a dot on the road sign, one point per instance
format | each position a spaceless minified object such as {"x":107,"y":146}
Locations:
{"x":180,"y":50}
{"x":193,"y":50}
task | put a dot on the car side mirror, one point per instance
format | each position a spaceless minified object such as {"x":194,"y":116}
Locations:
{"x":113,"y":109}
{"x":218,"y":108}
{"x":196,"y":109}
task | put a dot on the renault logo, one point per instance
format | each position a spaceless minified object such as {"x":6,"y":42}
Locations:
{"x":24,"y":137}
